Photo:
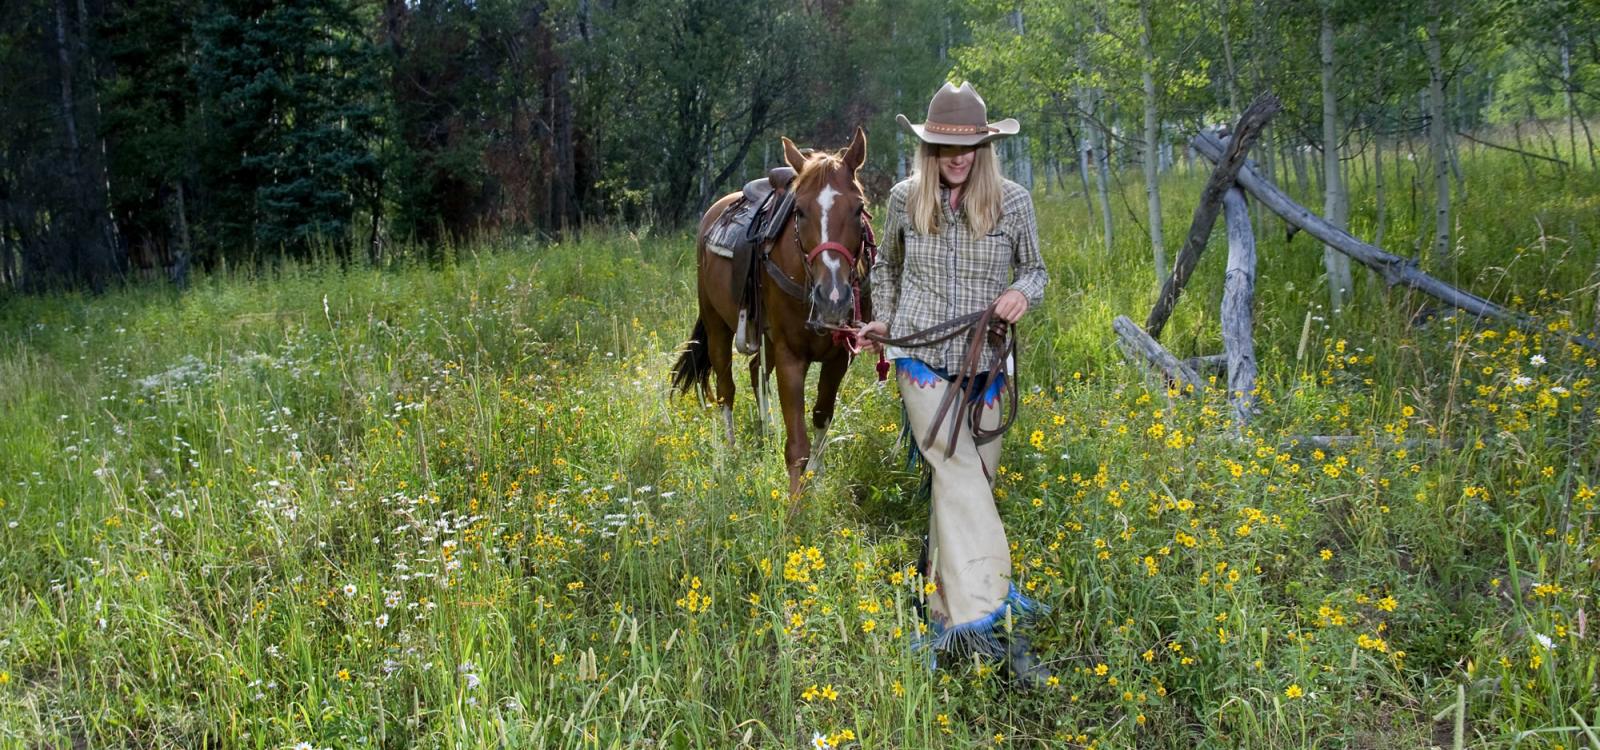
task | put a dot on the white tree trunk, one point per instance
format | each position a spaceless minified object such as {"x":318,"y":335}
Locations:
{"x":1566,"y":90}
{"x":1302,"y":175}
{"x":1085,"y":156}
{"x":1223,"y":11}
{"x":1152,"y":142}
{"x":1102,"y":158}
{"x":1091,"y":148}
{"x":1379,"y":189}
{"x":1022,"y":150}
{"x":1096,"y":141}
{"x":1439,"y":139}
{"x":1022,"y":155}
{"x":1335,"y":203}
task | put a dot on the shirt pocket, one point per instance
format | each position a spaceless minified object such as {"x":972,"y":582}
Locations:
{"x":1004,"y":231}
{"x":987,"y":266}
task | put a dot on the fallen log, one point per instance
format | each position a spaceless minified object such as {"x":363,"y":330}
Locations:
{"x":1208,"y":365}
{"x":1244,"y":134}
{"x":1238,"y":308}
{"x":1394,"y":269}
{"x":1529,"y":154}
{"x":1346,"y":442}
{"x":1139,"y":342}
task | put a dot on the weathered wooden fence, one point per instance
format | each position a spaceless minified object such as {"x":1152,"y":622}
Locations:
{"x":1224,"y":193}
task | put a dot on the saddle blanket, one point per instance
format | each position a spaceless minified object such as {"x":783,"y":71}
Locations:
{"x":728,"y":231}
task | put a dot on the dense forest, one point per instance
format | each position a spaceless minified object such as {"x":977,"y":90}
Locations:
{"x":143,"y":139}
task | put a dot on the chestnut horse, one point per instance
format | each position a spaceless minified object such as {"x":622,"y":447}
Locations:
{"x":819,"y":255}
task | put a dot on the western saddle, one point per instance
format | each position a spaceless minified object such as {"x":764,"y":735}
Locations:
{"x":753,"y":220}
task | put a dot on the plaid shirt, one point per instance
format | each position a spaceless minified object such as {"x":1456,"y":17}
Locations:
{"x":922,"y":280}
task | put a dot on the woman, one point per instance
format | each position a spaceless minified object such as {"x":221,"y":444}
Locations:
{"x":959,"y":238}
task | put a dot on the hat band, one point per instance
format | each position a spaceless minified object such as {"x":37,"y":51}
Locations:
{"x":943,"y":129}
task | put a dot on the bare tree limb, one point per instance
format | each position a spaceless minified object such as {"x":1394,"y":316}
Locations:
{"x":1395,"y":269}
{"x":1243,"y":135}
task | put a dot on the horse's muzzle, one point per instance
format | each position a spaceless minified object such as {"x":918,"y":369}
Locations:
{"x":833,"y":304}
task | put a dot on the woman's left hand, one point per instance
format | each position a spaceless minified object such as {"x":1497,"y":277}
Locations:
{"x":1010,"y":305}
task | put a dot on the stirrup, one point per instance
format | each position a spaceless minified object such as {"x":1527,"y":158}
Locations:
{"x":741,"y":337}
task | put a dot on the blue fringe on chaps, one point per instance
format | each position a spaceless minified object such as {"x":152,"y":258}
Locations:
{"x":969,"y":560}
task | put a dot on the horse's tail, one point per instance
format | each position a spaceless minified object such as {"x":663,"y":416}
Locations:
{"x":693,"y":369}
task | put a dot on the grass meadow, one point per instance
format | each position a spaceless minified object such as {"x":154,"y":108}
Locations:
{"x":453,"y":504}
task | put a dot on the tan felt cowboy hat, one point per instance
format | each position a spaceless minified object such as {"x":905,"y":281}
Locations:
{"x":958,"y":117}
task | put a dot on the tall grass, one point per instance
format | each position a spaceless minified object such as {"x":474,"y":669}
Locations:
{"x":456,"y":507}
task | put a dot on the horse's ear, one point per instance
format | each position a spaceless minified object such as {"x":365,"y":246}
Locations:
{"x":856,"y":155}
{"x":793,"y":156}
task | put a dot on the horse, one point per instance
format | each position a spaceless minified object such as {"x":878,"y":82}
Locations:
{"x":810,"y":289}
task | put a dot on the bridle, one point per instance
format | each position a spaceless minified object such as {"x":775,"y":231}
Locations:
{"x":858,"y":263}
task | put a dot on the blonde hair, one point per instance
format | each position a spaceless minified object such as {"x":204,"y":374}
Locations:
{"x":980,"y":196}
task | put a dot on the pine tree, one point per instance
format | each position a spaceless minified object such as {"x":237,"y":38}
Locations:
{"x":290,"y":122}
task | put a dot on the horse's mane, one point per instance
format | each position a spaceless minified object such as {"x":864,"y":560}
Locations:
{"x":818,"y":165}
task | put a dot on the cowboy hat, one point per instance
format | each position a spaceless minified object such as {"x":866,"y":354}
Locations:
{"x":958,"y":117}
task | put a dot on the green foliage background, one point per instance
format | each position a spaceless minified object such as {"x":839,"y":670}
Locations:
{"x":147,"y":137}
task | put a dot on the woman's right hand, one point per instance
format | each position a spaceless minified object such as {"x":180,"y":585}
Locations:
{"x":875,"y":328}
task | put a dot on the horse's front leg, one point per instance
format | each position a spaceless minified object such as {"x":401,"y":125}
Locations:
{"x":791,"y":371}
{"x":833,"y":371}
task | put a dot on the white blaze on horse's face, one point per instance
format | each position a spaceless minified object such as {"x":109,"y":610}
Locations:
{"x":825,"y":199}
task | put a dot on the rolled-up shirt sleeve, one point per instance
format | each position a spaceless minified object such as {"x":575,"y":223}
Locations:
{"x":885,"y":276}
{"x":1029,"y":274}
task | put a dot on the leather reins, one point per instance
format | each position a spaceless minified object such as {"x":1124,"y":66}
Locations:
{"x":966,"y":378}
